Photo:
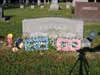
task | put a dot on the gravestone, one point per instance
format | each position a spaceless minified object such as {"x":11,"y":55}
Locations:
{"x":74,"y":2}
{"x":32,"y":6}
{"x":21,"y":6}
{"x":52,"y":27}
{"x":55,"y":28}
{"x":88,"y":11}
{"x":54,"y":5}
{"x":68,"y":5}
{"x":38,"y":2}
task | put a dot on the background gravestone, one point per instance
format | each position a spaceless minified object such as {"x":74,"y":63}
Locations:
{"x":54,"y":5}
{"x":55,"y":28}
{"x":89,"y":11}
{"x":74,"y":2}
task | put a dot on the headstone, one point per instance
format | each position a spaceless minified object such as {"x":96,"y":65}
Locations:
{"x":44,"y":1}
{"x":39,"y":2}
{"x":68,"y":5}
{"x":54,"y":28}
{"x":88,"y":11}
{"x":66,"y":44}
{"x":74,"y":2}
{"x":32,"y":6}
{"x":54,"y":5}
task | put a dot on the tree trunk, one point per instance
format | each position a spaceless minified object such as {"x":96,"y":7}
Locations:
{"x":95,"y":0}
{"x":4,"y":1}
{"x":44,"y":1}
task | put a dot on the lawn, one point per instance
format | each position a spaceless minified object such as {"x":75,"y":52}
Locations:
{"x":49,"y":62}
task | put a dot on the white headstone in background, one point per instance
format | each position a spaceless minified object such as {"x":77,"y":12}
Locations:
{"x":52,"y":27}
{"x":21,"y":6}
{"x":74,"y":1}
{"x":32,"y":6}
{"x":54,"y":5}
{"x":68,"y":5}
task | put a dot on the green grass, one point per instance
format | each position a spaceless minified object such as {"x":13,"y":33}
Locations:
{"x":50,"y":62}
{"x":45,"y":63}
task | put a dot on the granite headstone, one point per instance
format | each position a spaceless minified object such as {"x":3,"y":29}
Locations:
{"x":52,"y":27}
{"x":89,"y":11}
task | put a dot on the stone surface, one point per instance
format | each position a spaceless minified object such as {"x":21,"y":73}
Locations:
{"x":68,"y":5}
{"x":54,"y":5}
{"x":74,"y":2}
{"x":53,"y":27}
{"x":88,"y":11}
{"x":21,"y":6}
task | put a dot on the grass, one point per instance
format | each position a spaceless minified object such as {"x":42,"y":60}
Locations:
{"x":49,"y":62}
{"x":44,"y":63}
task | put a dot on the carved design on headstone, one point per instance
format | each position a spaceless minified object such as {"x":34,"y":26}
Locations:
{"x":44,"y":1}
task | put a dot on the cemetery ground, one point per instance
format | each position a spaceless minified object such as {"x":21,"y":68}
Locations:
{"x":49,"y":62}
